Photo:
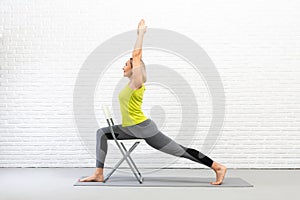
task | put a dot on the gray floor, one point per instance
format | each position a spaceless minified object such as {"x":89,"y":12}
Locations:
{"x":57,"y":183}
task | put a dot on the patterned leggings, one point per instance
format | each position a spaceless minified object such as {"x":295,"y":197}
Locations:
{"x":148,"y":131}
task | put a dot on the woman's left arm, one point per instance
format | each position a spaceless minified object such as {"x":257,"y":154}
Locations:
{"x":137,"y":73}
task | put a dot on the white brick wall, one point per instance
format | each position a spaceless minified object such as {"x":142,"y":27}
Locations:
{"x":255,"y":46}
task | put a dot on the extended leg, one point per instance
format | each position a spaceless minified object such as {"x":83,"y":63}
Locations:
{"x":165,"y":144}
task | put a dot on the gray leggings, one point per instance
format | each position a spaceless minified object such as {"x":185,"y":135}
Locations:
{"x":148,"y":131}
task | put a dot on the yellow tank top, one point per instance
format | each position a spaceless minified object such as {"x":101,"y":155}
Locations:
{"x":131,"y":105}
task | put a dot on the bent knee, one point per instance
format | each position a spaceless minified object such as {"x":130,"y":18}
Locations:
{"x":101,"y":131}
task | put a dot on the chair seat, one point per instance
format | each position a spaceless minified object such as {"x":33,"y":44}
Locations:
{"x":131,"y":140}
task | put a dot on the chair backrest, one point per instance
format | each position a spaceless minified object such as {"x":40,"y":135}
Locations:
{"x":106,"y":112}
{"x":109,"y":120}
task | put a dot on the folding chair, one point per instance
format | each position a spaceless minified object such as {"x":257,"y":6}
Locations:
{"x":125,"y":153}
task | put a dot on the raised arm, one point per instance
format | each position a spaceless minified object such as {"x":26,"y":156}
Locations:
{"x":137,"y":72}
{"x":137,"y":51}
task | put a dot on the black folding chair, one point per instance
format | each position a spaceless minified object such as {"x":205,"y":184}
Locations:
{"x":121,"y":146}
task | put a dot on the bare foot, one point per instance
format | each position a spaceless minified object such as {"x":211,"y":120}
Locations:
{"x":220,"y":173}
{"x":93,"y":178}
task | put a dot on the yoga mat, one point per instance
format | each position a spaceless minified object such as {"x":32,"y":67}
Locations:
{"x":122,"y":181}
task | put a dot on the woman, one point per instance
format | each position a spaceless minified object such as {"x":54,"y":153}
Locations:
{"x":135,"y":125}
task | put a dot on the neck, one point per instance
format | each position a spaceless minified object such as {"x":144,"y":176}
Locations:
{"x":130,"y":79}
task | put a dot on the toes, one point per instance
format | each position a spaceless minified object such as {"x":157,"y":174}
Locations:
{"x":85,"y":179}
{"x":216,"y":183}
{"x":90,"y":179}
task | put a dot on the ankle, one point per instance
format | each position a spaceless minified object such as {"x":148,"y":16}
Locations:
{"x":215,"y":166}
{"x":99,"y":172}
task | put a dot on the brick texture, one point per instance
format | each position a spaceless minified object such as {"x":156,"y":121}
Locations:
{"x":254,"y":45}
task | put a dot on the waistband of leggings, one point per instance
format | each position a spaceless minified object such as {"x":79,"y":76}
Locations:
{"x":146,"y":122}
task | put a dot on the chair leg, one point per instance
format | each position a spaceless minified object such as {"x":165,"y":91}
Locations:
{"x":133,"y":163}
{"x":129,"y":163}
{"x":122,"y":160}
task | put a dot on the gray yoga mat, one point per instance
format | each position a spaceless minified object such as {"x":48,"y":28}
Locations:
{"x":122,"y":181}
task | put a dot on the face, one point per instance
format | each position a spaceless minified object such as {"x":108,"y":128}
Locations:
{"x":127,"y":69}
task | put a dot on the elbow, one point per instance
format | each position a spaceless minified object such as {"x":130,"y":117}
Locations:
{"x":137,"y":53}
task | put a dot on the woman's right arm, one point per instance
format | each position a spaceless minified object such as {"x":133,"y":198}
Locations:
{"x":137,"y":72}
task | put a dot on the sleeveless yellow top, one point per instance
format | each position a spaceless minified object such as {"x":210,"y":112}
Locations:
{"x":131,"y":105}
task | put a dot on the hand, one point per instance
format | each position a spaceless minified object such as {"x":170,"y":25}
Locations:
{"x":142,"y":28}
